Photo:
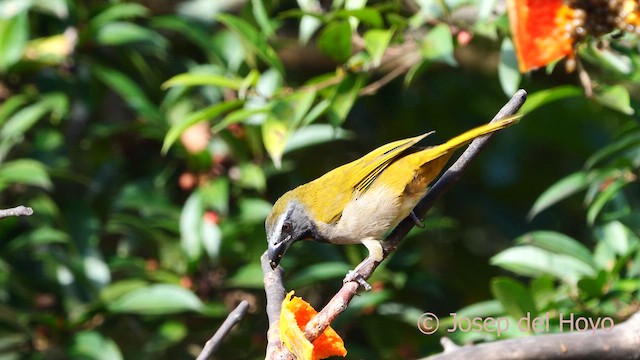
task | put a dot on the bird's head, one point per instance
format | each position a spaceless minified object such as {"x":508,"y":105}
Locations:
{"x":287,"y":223}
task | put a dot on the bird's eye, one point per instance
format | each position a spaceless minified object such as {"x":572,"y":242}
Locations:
{"x":286,"y":227}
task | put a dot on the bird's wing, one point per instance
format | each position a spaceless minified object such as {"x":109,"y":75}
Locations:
{"x":369,"y":167}
{"x":356,"y":177}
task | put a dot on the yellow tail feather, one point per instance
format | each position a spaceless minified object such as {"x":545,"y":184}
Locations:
{"x":485,"y":129}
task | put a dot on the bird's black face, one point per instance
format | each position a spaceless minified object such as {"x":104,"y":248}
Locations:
{"x":292,"y":225}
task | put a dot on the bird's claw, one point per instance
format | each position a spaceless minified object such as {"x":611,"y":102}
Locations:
{"x":419,"y":223}
{"x":354,"y":275}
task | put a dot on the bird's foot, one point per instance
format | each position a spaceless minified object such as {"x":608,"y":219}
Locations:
{"x":419,"y":223}
{"x":354,"y":275}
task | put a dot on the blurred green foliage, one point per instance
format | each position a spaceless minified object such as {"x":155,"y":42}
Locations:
{"x":150,"y":138}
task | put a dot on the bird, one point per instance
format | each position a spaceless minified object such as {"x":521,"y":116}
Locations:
{"x":359,"y":202}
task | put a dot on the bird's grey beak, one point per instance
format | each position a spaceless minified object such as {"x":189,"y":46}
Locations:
{"x":276,"y":250}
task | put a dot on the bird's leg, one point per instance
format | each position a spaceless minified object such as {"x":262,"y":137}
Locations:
{"x":419,"y":223}
{"x":375,"y":252}
{"x":354,"y":275}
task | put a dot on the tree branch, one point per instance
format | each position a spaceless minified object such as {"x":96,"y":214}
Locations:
{"x":16,"y":211}
{"x":232,"y":319}
{"x":621,"y":342}
{"x":340,"y":301}
{"x":274,"y":289}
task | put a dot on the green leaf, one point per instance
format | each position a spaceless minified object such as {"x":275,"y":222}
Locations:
{"x":199,"y":79}
{"x":534,"y":261}
{"x":558,"y":243}
{"x":117,"y":289}
{"x":615,"y":97}
{"x":125,"y":33}
{"x":172,"y":332}
{"x":544,"y":291}
{"x":367,"y":15}
{"x":508,"y":72}
{"x":14,"y":34}
{"x":561,"y":190}
{"x":593,"y":287}
{"x":95,"y":268}
{"x":215,"y":195}
{"x":40,"y":236}
{"x":320,"y":108}
{"x":58,"y":8}
{"x":190,"y":223}
{"x":376,"y":42}
{"x":159,"y":299}
{"x":11,"y":105}
{"x":485,"y":9}
{"x":344,"y":98}
{"x":607,"y":59}
{"x":262,"y":18}
{"x":210,"y":112}
{"x":225,"y":45}
{"x":248,"y":276}
{"x":253,"y":39}
{"x":211,"y":239}
{"x":254,"y":210}
{"x":275,"y":134}
{"x":616,"y":236}
{"x":300,"y":103}
{"x":543,"y":97}
{"x":185,"y":27}
{"x":25,"y":172}
{"x":610,"y":191}
{"x":252,"y":177}
{"x":17,"y":125}
{"x":514,"y":297}
{"x":628,"y":142}
{"x":12,"y":8}
{"x":118,"y":11}
{"x":128,"y":89}
{"x":335,"y":41}
{"x":311,"y":135}
{"x":240,"y":116}
{"x":308,"y":27}
{"x":91,"y":345}
{"x":416,"y":69}
{"x":437,"y":45}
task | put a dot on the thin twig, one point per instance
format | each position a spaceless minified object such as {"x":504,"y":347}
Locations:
{"x":340,"y":301}
{"x":16,"y":211}
{"x":232,"y":319}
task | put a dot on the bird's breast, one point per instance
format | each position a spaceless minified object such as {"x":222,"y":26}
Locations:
{"x":367,"y":215}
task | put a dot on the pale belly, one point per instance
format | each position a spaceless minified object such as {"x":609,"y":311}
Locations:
{"x":370,"y":216}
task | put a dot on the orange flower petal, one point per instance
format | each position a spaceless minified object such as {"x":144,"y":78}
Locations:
{"x":630,"y":8}
{"x":294,"y":316}
{"x":539,"y":31}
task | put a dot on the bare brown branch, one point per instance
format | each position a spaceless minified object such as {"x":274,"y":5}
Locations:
{"x":16,"y":211}
{"x":232,"y":319}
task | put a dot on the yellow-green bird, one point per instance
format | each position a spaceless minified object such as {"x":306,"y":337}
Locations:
{"x":358,"y":203}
